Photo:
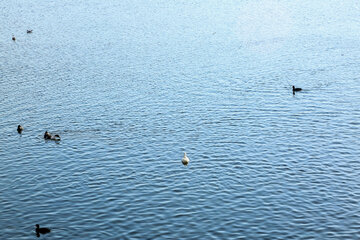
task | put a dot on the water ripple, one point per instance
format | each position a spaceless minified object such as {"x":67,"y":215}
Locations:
{"x":133,"y":88}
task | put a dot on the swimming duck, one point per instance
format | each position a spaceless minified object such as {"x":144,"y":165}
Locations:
{"x":28,"y":31}
{"x":13,"y":38}
{"x":20,"y":129}
{"x":296,"y":89}
{"x":185,"y":159}
{"x":47,"y":135}
{"x":56,"y":137}
{"x":41,"y":230}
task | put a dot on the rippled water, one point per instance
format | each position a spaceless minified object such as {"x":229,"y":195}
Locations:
{"x":131,"y":85}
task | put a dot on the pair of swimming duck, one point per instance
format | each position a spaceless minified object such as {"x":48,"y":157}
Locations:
{"x":47,"y":135}
{"x":27,"y":31}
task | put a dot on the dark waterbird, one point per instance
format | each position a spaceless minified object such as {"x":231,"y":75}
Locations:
{"x":40,"y":230}
{"x":28,"y":31}
{"x":13,"y":38}
{"x":47,"y":135}
{"x":296,"y":89}
{"x":20,"y":129}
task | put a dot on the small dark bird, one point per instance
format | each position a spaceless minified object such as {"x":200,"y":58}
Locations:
{"x":20,"y":129}
{"x":28,"y":31}
{"x":13,"y":38}
{"x":47,"y":135}
{"x":296,"y":89}
{"x":56,"y":137}
{"x":41,"y":230}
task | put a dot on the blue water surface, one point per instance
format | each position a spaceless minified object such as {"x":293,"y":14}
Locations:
{"x":131,"y":85}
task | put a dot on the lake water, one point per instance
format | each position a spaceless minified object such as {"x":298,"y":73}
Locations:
{"x":131,"y":85}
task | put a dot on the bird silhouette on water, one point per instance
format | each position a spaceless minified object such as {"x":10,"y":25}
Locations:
{"x":296,"y":89}
{"x":20,"y":129}
{"x":40,"y":230}
{"x":47,"y":135}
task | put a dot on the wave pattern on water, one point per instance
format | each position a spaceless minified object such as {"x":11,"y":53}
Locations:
{"x":130,"y":86}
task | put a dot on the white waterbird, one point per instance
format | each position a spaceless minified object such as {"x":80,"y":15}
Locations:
{"x":185,"y":159}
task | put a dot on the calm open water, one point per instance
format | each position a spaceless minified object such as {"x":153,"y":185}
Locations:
{"x":131,"y":85}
